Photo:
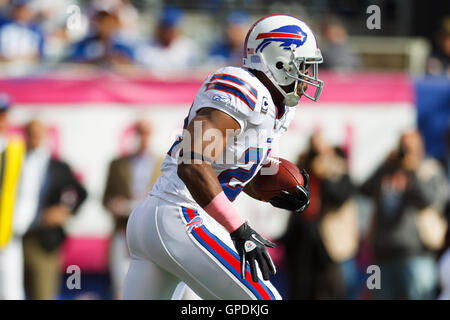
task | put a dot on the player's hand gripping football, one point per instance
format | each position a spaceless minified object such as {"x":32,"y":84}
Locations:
{"x":251,"y":247}
{"x":297,"y":202}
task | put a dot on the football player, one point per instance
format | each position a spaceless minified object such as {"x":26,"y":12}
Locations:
{"x":187,"y":228}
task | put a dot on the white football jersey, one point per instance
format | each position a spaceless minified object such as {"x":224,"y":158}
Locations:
{"x":238,"y":93}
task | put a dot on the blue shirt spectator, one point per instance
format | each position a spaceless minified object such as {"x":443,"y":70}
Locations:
{"x":20,"y":37}
{"x":338,"y":55}
{"x":93,"y":49}
{"x":169,"y":50}
{"x":229,"y":50}
{"x":438,"y":63}
{"x":103,"y":46}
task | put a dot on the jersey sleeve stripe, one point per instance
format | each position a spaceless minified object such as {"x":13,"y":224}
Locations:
{"x":226,"y":256}
{"x":236,"y":80}
{"x":232,"y":90}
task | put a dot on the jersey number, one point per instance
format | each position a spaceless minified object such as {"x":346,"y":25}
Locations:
{"x":239,"y":174}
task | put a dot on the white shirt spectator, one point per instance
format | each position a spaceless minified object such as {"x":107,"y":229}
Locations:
{"x":33,"y":172}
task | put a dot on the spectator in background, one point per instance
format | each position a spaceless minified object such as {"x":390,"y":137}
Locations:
{"x":49,"y":194}
{"x":439,"y":60}
{"x":52,"y":17}
{"x":170,"y":50}
{"x":229,"y":50}
{"x":129,"y":180}
{"x":336,"y":51}
{"x":20,"y":38}
{"x":321,"y":243}
{"x":103,"y":46}
{"x":409,"y":192}
{"x":128,"y":17}
{"x":12,"y":150}
{"x":126,"y":12}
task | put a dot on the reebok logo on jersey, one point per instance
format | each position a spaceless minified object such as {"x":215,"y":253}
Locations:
{"x":221,"y":98}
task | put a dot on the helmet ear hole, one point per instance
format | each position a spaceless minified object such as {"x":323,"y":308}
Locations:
{"x":279,"y":65}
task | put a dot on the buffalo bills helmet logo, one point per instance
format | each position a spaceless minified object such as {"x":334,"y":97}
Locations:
{"x":287,"y":35}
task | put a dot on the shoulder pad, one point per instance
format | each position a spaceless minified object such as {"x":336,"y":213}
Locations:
{"x":236,"y":87}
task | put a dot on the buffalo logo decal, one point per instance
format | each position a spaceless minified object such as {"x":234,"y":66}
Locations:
{"x":287,"y":35}
{"x":194,"y":223}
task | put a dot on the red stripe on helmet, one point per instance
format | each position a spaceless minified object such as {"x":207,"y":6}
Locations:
{"x":266,"y":35}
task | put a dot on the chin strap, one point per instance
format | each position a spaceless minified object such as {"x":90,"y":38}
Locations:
{"x":290,"y":99}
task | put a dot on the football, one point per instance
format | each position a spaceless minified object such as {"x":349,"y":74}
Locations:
{"x":284,"y":176}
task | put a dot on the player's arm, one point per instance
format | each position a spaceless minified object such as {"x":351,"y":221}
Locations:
{"x":195,"y":168}
{"x":196,"y":172}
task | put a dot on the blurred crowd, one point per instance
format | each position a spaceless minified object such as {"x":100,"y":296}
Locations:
{"x":331,"y":254}
{"x":39,"y":192}
{"x":116,"y":34}
{"x":109,"y":33}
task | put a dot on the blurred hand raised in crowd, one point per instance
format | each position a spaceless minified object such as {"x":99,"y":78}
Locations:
{"x":327,"y":163}
{"x":328,"y":166}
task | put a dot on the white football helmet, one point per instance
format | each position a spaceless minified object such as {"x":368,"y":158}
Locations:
{"x":283,"y":47}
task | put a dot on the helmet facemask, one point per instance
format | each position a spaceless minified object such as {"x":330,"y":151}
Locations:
{"x":301,"y":70}
{"x":306,"y":72}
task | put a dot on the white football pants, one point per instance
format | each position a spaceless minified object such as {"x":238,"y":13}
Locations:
{"x":170,"y":243}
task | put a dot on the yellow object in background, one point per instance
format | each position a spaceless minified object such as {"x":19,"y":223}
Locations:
{"x":10,"y":166}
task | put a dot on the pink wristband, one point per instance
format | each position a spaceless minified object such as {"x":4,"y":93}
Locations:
{"x":221,"y":209}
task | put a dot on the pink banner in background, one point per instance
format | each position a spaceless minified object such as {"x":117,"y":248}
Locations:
{"x":339,"y":87}
{"x":88,"y":253}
